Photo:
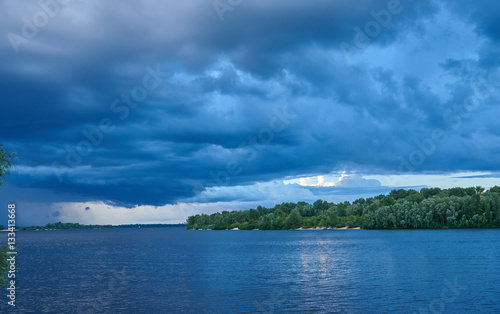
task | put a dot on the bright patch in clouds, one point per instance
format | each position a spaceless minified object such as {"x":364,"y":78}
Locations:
{"x":345,"y":180}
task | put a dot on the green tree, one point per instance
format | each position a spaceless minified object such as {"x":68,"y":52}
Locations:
{"x":414,"y":197}
{"x":4,"y":265}
{"x":398,"y":194}
{"x":5,"y":164}
{"x":6,"y":159}
{"x":457,"y":192}
{"x":267,"y":222}
{"x":495,"y":189}
{"x":293,"y":221}
{"x":333,"y":220}
{"x":429,"y":192}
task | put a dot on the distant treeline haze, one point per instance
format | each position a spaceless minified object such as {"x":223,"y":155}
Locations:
{"x":431,"y":208}
{"x":69,"y":225}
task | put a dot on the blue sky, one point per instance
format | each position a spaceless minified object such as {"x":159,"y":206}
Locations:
{"x":125,"y":112}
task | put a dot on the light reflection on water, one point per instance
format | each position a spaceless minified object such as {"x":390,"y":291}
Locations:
{"x":172,"y":270}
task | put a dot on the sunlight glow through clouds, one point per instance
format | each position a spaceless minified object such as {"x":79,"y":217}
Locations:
{"x":320,"y":180}
{"x":344,"y":180}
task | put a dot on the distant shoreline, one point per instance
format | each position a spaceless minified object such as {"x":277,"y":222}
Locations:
{"x":77,"y":226}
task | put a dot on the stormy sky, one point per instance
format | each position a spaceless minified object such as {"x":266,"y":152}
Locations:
{"x":128,"y":111}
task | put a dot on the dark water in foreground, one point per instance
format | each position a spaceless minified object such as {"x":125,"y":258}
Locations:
{"x":173,"y":270}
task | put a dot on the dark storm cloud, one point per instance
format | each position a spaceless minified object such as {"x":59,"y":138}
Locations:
{"x":267,"y":93}
{"x":482,"y":14}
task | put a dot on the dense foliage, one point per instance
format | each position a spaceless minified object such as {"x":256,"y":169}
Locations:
{"x":6,"y":159}
{"x":5,"y":164}
{"x":4,"y":265}
{"x":401,"y":209}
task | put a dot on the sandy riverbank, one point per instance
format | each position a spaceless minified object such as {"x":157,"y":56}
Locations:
{"x":321,"y":228}
{"x":302,"y":229}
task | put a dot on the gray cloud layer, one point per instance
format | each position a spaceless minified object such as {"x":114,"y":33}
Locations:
{"x":269,"y":92}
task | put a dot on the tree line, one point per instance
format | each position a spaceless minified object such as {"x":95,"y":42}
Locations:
{"x":64,"y":226}
{"x":429,"y":208}
{"x":71,"y":225}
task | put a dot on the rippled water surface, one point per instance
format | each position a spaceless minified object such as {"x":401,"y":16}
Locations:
{"x":171,"y":270}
